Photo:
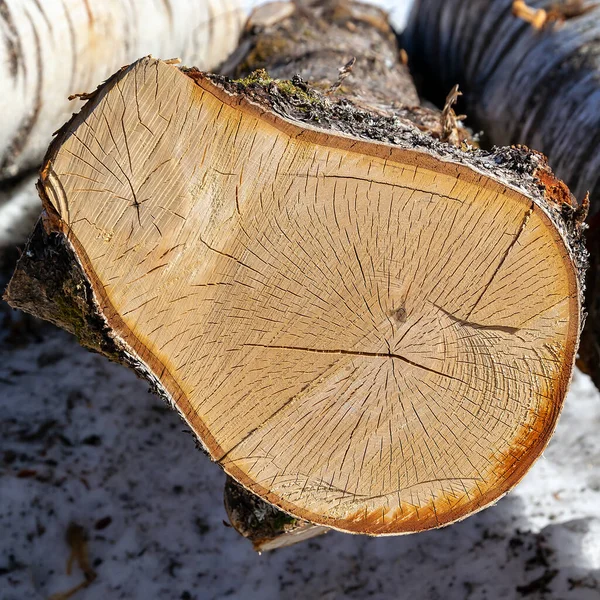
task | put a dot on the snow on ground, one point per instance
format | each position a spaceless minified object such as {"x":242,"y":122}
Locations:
{"x":83,"y":442}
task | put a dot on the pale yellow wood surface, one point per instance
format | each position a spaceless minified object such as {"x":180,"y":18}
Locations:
{"x":367,"y":337}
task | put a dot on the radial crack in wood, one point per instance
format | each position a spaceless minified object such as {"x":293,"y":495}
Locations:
{"x":376,"y":338}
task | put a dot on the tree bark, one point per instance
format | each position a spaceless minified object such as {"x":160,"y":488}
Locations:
{"x":367,"y":328}
{"x":54,"y":49}
{"x":526,"y":85}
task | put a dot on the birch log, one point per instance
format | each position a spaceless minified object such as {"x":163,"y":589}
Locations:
{"x":51,"y":49}
{"x":526,"y":82}
{"x":367,"y":328}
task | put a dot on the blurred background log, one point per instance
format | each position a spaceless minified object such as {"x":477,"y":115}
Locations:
{"x":53,"y":49}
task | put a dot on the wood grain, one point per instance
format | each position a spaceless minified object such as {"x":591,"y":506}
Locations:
{"x":524,"y":85}
{"x":366,"y":336}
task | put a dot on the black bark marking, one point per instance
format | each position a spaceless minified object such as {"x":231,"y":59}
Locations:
{"x":23,"y":133}
{"x":13,"y":42}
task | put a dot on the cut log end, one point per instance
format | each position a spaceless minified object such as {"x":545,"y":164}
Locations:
{"x":373,"y":338}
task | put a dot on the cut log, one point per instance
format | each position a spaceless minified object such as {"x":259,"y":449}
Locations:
{"x":54,"y":49}
{"x":524,"y":84}
{"x":367,"y":328}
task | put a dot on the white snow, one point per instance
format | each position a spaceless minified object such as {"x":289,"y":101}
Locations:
{"x":20,"y":207}
{"x":82,"y":440}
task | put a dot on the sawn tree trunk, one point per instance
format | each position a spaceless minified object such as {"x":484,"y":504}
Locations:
{"x":366,"y":327}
